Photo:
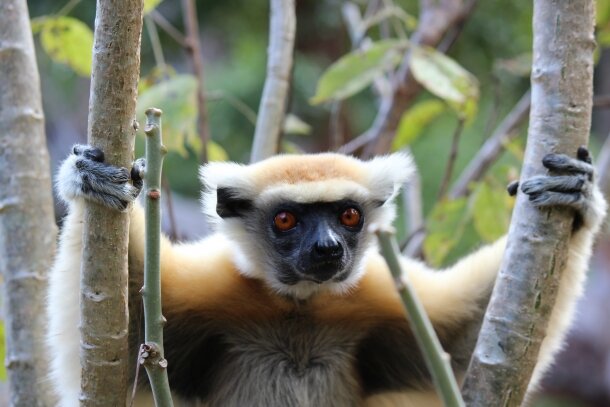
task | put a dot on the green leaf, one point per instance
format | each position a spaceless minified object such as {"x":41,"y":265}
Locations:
{"x":445,"y":78}
{"x":490,"y":211}
{"x":216,"y":152}
{"x":414,"y":120}
{"x":37,"y":24}
{"x":177,"y":98}
{"x":445,"y":227}
{"x":356,"y":70}
{"x":150,"y":5}
{"x":294,"y":125}
{"x":602,"y":15}
{"x":68,"y":41}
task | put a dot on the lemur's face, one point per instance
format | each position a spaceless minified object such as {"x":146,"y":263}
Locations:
{"x":298,"y":222}
{"x":299,"y":248}
{"x":314,"y":242}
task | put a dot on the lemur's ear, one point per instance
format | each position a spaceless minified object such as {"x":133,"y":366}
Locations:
{"x":388,"y":173}
{"x":229,"y":204}
{"x":226,"y":190}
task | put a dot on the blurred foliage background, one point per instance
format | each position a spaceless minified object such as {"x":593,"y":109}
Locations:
{"x":494,"y":45}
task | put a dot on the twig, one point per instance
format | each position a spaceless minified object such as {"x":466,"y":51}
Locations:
{"x":69,"y":6}
{"x":452,"y":157}
{"x":603,"y":167}
{"x":412,"y":198}
{"x":173,"y":226}
{"x":601,"y":101}
{"x":151,"y":352}
{"x":436,"y":358}
{"x":194,"y":51}
{"x":153,"y":35}
{"x":172,"y":31}
{"x":492,"y":148}
{"x":279,"y":66}
{"x":235,"y":102}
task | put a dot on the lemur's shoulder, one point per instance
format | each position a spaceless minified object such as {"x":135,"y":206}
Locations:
{"x":202,"y":278}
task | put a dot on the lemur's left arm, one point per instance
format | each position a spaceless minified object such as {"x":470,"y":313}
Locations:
{"x":456,"y":298}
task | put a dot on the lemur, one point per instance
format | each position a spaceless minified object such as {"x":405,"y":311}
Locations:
{"x":288,"y":302}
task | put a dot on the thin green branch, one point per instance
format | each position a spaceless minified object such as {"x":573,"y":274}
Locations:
{"x":151,"y":352}
{"x":436,"y":358}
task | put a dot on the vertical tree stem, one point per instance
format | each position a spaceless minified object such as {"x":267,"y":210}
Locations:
{"x":27,"y":223}
{"x":112,"y":104}
{"x":526,"y":290}
{"x":189,"y":10}
{"x":436,"y":358}
{"x":279,"y":65}
{"x":152,"y":354}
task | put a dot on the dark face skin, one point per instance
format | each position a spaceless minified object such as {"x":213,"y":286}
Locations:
{"x":305,"y":242}
{"x":316,"y":241}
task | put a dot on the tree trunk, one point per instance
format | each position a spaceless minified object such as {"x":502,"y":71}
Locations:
{"x":27,"y":223}
{"x":535,"y":256}
{"x":112,"y":125}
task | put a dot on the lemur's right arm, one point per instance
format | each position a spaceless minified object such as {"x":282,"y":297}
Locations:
{"x":185,"y":268}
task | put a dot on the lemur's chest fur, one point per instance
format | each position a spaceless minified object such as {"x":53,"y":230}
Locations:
{"x":291,"y":361}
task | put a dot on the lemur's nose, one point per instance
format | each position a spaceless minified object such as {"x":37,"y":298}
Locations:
{"x":327,"y":250}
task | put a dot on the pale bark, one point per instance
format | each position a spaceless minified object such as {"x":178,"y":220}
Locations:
{"x":27,"y":223}
{"x":112,"y":103}
{"x":271,"y":111}
{"x":536,"y":251}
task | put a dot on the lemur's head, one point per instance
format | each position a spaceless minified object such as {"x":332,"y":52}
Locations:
{"x":299,"y":221}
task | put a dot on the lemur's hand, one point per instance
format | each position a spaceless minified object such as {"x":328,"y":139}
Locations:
{"x":570,"y":183}
{"x":84,"y":174}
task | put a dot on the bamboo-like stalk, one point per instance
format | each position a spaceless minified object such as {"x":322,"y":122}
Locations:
{"x":151,"y":352}
{"x":436,"y":358}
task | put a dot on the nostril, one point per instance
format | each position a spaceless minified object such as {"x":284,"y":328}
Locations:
{"x":328,"y":250}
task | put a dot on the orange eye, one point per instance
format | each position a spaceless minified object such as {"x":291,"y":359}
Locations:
{"x":284,"y":221}
{"x":350,"y":217}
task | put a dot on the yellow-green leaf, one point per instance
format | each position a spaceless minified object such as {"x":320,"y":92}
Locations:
{"x":602,"y":15}
{"x":445,"y":78}
{"x":68,"y":41}
{"x":490,"y":211}
{"x":294,"y":125}
{"x":445,"y":227}
{"x":356,"y":70}
{"x":216,"y":152}
{"x":414,"y":120}
{"x":150,"y":5}
{"x":177,"y":98}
